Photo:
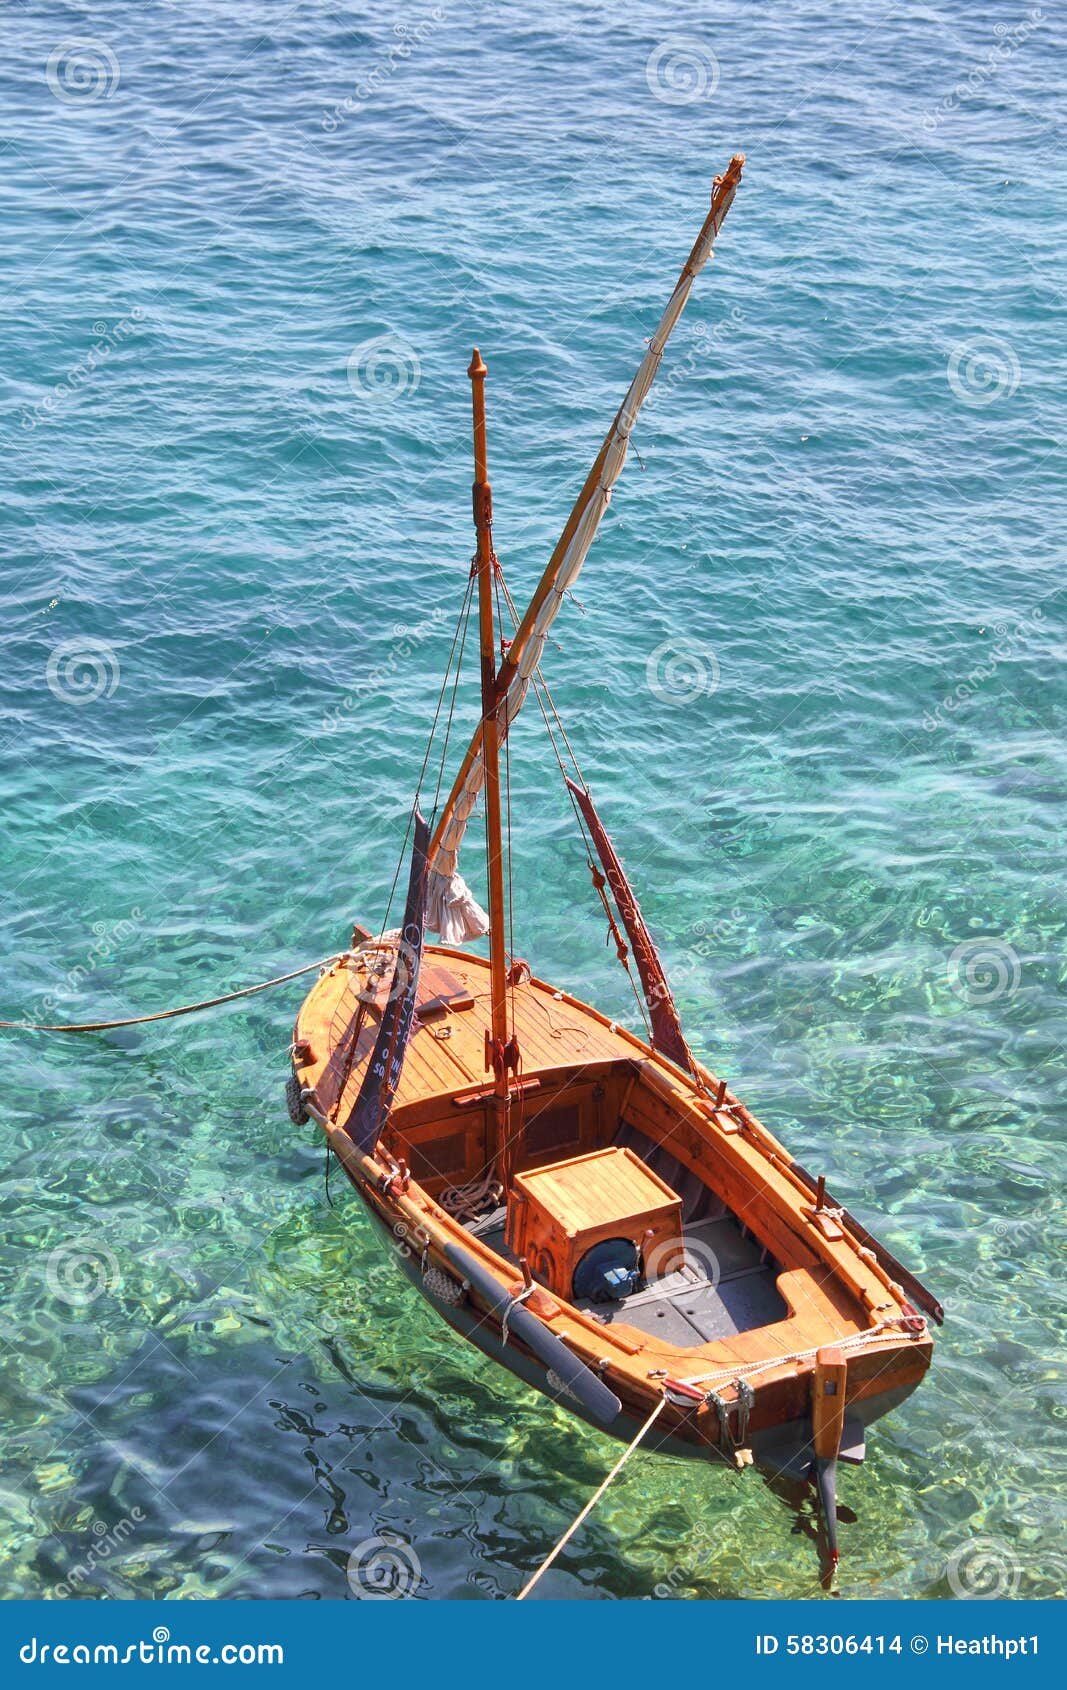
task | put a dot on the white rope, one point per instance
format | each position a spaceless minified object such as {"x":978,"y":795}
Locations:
{"x":593,"y":1500}
{"x":854,"y":1341}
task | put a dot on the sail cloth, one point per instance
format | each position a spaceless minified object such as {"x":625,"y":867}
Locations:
{"x":371,"y":1109}
{"x":667,"y":1035}
{"x":452,"y":910}
{"x":563,"y":570}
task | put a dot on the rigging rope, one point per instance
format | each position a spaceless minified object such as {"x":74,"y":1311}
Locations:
{"x":166,"y":1014}
{"x":464,"y":617}
{"x":499,"y":584}
{"x":461,"y":626}
{"x":342,"y":1012}
{"x":593,"y":1500}
{"x":541,"y":685}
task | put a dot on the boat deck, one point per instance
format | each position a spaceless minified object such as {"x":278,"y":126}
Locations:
{"x":728,"y":1284}
{"x":446,"y":1052}
{"x":692,"y":1306}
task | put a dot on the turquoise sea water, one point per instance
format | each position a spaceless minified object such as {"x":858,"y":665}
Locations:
{"x":814,"y":678}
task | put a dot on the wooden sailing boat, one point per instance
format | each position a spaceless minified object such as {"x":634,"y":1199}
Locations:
{"x":595,"y":1210}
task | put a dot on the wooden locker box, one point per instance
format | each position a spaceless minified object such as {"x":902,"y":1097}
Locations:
{"x":557,"y":1213}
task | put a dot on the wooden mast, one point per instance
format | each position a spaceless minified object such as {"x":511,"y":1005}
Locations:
{"x":485,"y":565}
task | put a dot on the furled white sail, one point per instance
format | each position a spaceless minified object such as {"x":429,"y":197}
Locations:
{"x":449,"y":897}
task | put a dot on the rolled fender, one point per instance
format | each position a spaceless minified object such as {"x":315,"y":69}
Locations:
{"x":584,"y":1384}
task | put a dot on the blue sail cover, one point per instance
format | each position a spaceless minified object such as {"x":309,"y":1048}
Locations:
{"x":371,"y":1108}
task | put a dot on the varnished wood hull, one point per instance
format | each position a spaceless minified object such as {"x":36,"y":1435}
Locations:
{"x":836,"y":1288}
{"x":776,"y":1447}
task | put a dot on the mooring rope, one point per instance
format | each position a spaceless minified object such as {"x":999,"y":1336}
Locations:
{"x":593,"y":1500}
{"x":166,"y":1014}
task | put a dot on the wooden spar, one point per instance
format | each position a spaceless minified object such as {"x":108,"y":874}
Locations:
{"x":667,"y":1034}
{"x":489,"y":729}
{"x":722,"y":198}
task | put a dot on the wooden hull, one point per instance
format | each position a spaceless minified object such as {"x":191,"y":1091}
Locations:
{"x":775,"y":1447}
{"x":582,"y":1076}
